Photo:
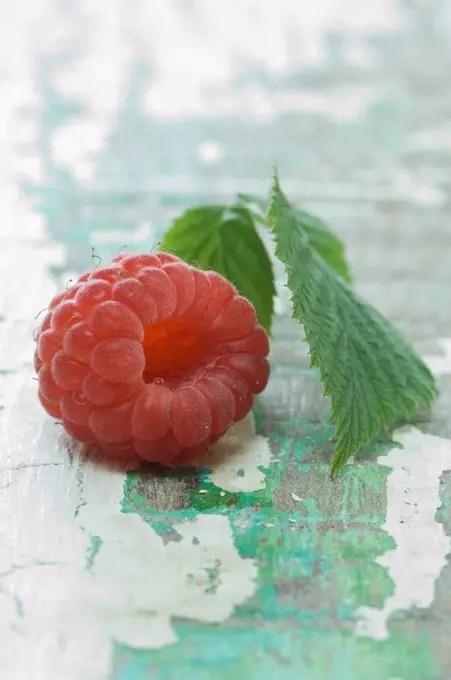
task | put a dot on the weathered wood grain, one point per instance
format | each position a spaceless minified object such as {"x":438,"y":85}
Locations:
{"x":265,"y":567}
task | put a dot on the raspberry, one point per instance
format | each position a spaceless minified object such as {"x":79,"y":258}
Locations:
{"x":149,"y":357}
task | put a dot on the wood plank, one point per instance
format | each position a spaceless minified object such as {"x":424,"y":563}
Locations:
{"x":256,"y":565}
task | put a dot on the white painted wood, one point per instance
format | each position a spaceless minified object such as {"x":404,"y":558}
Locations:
{"x":76,"y":574}
{"x":238,"y":460}
{"x":413,"y":498}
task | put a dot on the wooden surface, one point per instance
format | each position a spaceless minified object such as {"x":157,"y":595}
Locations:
{"x":115,"y":117}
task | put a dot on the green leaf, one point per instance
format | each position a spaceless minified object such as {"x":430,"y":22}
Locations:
{"x":371,"y":373}
{"x":225,"y":239}
{"x":252,"y":200}
{"x":329,"y":246}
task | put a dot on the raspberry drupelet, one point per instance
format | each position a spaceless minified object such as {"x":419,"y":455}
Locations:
{"x":149,"y":357}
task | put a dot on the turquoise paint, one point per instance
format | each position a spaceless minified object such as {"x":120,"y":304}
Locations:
{"x":338,"y":565}
{"x":265,"y":652}
{"x":266,"y":637}
{"x":73,"y":212}
{"x":91,"y":553}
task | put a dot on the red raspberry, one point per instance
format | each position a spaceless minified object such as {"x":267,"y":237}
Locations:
{"x":150,"y":356}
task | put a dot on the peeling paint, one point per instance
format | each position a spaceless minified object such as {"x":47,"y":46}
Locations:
{"x":137,"y":578}
{"x":78,"y":575}
{"x":78,"y":84}
{"x":238,"y":460}
{"x":128,"y":589}
{"x":413,"y":499}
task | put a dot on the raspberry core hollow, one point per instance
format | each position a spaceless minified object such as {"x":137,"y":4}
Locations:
{"x":149,"y":357}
